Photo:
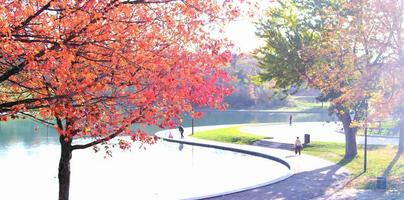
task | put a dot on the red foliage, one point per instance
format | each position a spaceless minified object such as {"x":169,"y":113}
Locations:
{"x":100,"y":66}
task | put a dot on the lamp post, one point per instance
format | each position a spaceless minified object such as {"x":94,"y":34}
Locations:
{"x":352,"y":114}
{"x":366,"y":137}
{"x":192,"y":124}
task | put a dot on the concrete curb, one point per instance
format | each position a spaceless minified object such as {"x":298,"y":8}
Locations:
{"x":226,"y":147}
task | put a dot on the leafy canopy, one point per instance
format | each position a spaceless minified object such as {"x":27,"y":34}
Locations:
{"x":99,"y":66}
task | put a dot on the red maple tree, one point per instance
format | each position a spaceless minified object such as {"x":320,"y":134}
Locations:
{"x":97,"y":67}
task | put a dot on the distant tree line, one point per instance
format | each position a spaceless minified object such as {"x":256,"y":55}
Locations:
{"x":248,"y":94}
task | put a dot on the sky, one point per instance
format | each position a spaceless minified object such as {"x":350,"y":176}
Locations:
{"x":242,"y":31}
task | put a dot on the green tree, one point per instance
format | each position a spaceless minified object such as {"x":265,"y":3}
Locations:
{"x":293,"y":32}
{"x":351,"y":51}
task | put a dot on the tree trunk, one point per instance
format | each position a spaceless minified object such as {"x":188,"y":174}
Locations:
{"x":64,"y":168}
{"x":401,"y":138}
{"x":350,"y":136}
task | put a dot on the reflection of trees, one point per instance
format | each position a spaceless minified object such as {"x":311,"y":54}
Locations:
{"x":241,"y":117}
{"x":31,"y":133}
{"x":27,"y":132}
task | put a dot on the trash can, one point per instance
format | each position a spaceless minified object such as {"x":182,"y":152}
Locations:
{"x":381,"y":182}
{"x":306,"y":138}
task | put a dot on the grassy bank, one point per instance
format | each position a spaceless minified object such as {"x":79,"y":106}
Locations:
{"x":382,"y":128}
{"x":382,"y":161}
{"x":228,"y":135}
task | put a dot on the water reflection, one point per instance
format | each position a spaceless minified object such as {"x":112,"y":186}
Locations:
{"x":159,"y":172}
{"x":25,"y":142}
{"x":26,"y":132}
{"x":244,"y":117}
{"x":31,"y":134}
{"x":181,"y":146}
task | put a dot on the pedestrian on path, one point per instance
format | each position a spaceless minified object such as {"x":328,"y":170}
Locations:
{"x":298,"y":146}
{"x":290,"y":120}
{"x":181,"y":129}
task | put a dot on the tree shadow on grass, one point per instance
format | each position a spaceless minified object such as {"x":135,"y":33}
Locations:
{"x":391,"y":165}
{"x":345,"y":161}
{"x":373,"y":147}
{"x":372,"y":183}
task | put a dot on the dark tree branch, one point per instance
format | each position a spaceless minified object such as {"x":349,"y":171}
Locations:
{"x":37,"y":119}
{"x":25,"y":101}
{"x":30,"y":18}
{"x":26,"y":87}
{"x":105,"y":139}
{"x":34,"y":41}
{"x":147,"y":2}
{"x":59,"y":123}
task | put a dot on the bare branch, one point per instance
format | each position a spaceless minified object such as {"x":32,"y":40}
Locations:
{"x":147,"y":2}
{"x":37,"y":119}
{"x":25,"y":101}
{"x":105,"y":139}
{"x":30,"y":18}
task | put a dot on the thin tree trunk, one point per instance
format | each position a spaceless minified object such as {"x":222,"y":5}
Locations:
{"x":64,"y":168}
{"x":350,"y":136}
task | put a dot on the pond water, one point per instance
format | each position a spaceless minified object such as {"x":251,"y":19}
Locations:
{"x":258,"y":116}
{"x":30,"y":133}
{"x":29,"y":154}
{"x":162,"y":171}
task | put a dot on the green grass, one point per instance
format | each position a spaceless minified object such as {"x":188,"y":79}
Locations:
{"x":382,"y":161}
{"x":389,"y":124}
{"x":228,"y":135}
{"x":384,"y":128}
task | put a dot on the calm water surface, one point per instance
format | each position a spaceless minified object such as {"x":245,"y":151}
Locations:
{"x":29,"y":154}
{"x":162,"y":171}
{"x":27,"y":133}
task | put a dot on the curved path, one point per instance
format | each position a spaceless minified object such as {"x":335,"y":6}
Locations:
{"x":319,"y":131}
{"x":312,"y":177}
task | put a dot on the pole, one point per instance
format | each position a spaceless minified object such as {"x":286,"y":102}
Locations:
{"x":365,"y":159}
{"x":192,"y":122}
{"x":365,"y":149}
{"x":192,"y":159}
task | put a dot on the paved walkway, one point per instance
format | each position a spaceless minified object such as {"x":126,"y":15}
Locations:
{"x":301,"y":186}
{"x":311,"y":176}
{"x":319,"y":131}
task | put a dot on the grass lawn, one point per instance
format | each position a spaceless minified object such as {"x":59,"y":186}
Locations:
{"x":228,"y":135}
{"x":382,"y":161}
{"x":381,"y":128}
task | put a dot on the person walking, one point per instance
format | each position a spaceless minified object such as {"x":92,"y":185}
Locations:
{"x":298,"y":146}
{"x":181,"y":129}
{"x":290,"y":120}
